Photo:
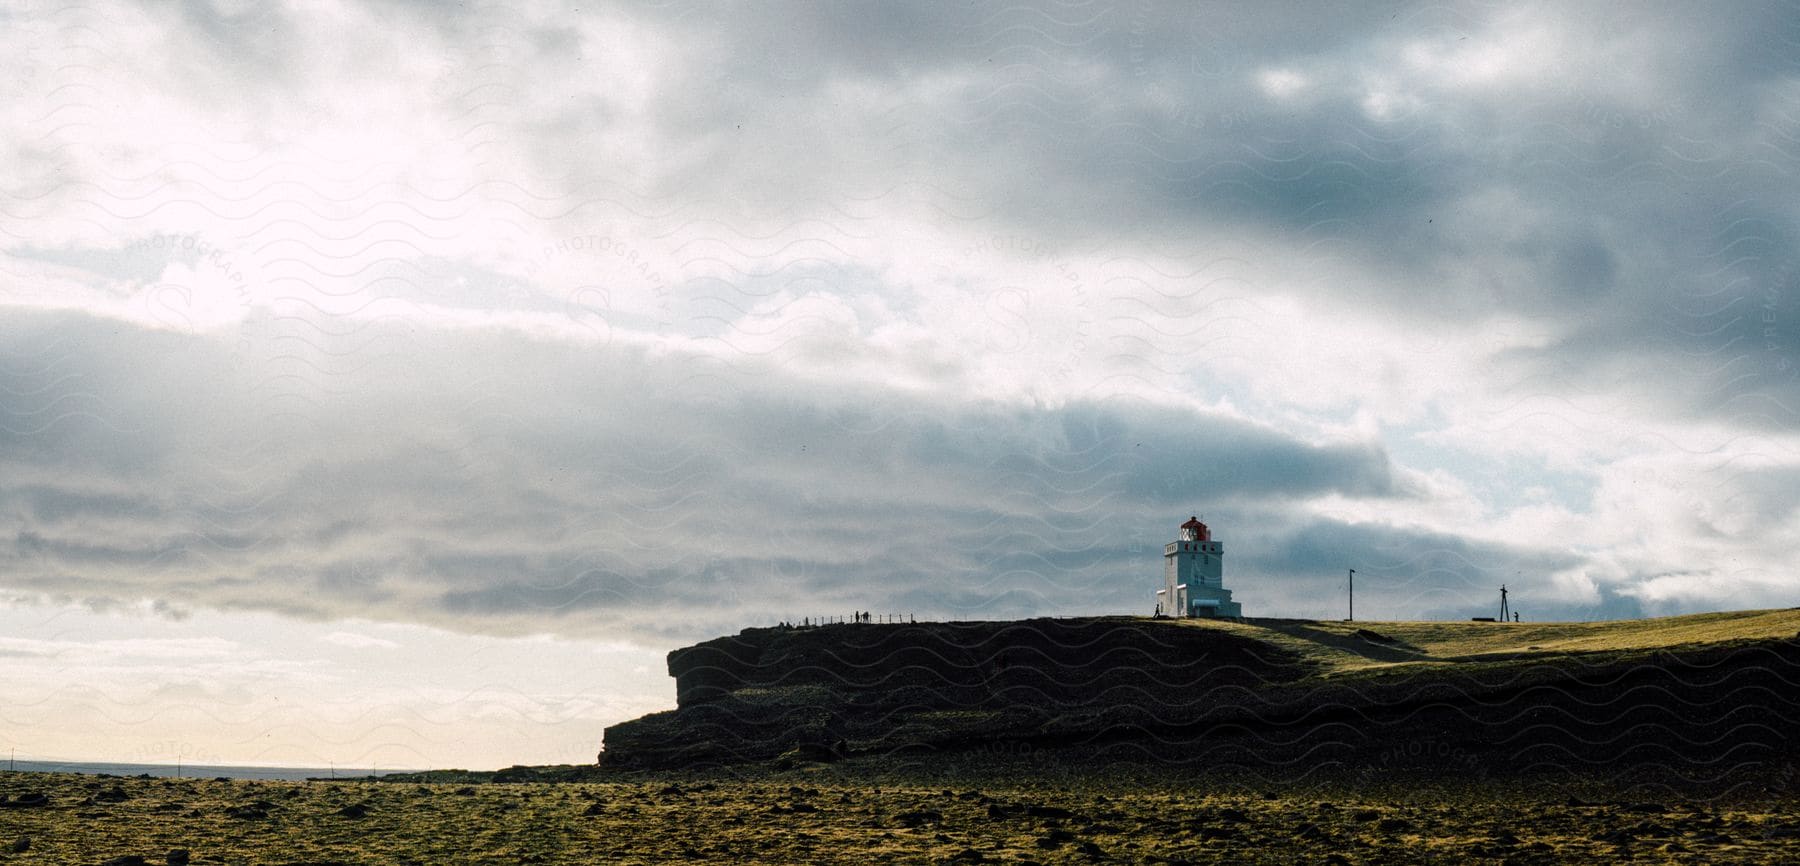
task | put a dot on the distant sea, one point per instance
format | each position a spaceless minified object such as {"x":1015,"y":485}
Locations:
{"x":195,"y":771}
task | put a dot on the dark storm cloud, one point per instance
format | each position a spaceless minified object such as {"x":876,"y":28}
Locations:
{"x":1407,"y":568}
{"x":575,"y":491}
{"x":1236,"y":462}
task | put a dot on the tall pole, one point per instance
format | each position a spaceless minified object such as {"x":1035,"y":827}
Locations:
{"x":1352,"y":596}
{"x":1503,"y":616}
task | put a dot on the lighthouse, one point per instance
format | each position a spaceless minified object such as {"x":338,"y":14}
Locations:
{"x":1192,"y":581}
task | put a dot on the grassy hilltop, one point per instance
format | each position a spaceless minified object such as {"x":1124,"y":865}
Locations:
{"x":1699,"y":696}
{"x":1339,"y":647}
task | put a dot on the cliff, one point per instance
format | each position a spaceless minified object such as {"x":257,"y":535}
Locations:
{"x":1263,"y":692}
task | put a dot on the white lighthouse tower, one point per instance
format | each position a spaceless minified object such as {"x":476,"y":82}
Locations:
{"x":1192,"y":585}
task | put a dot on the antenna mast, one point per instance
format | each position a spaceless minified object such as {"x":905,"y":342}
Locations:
{"x":1352,"y":596}
{"x":1503,"y":614}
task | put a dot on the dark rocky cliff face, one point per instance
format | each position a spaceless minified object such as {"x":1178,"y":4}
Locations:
{"x":857,"y":688}
{"x":1043,"y":661}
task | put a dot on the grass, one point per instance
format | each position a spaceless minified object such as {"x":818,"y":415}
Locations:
{"x":830,"y":816}
{"x":1339,"y":647}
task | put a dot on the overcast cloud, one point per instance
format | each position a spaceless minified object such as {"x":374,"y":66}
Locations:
{"x":650,"y":323}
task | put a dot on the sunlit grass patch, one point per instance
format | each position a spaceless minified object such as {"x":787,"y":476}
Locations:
{"x":1336,"y":646}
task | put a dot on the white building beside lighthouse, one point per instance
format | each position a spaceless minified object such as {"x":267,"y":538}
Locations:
{"x":1192,"y":585}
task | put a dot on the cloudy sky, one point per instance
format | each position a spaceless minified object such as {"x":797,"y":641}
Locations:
{"x":394,"y":383}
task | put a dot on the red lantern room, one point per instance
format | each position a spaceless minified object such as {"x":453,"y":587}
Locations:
{"x":1194,"y":530}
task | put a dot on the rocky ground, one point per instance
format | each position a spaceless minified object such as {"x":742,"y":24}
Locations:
{"x":825,"y":818}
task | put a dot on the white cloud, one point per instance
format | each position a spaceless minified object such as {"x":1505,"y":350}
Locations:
{"x":84,"y":652}
{"x":1282,"y":83}
{"x":353,"y":640}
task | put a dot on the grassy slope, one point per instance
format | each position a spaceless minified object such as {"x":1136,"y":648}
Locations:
{"x":1336,"y":648}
